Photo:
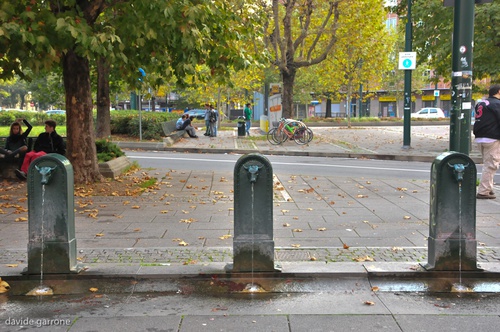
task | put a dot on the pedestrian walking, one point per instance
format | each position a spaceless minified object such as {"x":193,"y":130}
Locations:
{"x":487,"y":133}
{"x":248,"y":118}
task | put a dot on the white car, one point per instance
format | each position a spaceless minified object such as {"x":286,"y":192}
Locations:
{"x":429,"y":113}
{"x":52,"y":112}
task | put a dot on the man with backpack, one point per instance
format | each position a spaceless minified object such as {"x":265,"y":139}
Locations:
{"x":487,"y":132}
{"x":212,"y":122}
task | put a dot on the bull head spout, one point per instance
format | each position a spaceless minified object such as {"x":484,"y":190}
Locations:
{"x":458,"y":171}
{"x":253,"y":172}
{"x":45,"y":172}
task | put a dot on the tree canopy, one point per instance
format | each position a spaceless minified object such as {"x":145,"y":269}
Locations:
{"x":433,"y":32}
{"x":169,"y":37}
{"x":305,"y":33}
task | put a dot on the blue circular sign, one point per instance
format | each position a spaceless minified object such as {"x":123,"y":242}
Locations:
{"x":407,"y":63}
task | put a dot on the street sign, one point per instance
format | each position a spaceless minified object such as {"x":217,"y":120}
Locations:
{"x":436,"y":93}
{"x":407,"y":60}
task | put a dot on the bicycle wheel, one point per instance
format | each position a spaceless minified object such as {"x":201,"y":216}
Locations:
{"x":270,"y":136}
{"x":280,"y":135}
{"x":301,"y":135}
{"x":311,"y":135}
{"x":275,"y":136}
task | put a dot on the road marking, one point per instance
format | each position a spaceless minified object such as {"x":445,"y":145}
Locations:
{"x":287,"y":164}
{"x":284,"y":194}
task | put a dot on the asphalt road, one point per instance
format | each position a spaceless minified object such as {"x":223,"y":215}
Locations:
{"x":324,"y":166}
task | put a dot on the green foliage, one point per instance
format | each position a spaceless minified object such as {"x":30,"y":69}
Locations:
{"x":6,"y":118}
{"x":127,"y":123}
{"x":35,"y":118}
{"x":107,"y":151}
{"x":433,"y":30}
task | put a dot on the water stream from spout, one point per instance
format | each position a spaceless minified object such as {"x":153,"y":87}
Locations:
{"x":460,"y":232}
{"x":253,"y":229}
{"x":460,"y":287}
{"x":41,"y":289}
{"x":42,"y":235}
{"x":252,"y":287}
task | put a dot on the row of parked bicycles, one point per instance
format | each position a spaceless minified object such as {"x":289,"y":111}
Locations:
{"x":290,"y":129}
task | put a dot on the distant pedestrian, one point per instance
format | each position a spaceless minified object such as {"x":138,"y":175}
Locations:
{"x":186,"y":125}
{"x":180,"y":121}
{"x":487,"y":132}
{"x":248,"y":118}
{"x":212,"y":122}
{"x":207,"y":119}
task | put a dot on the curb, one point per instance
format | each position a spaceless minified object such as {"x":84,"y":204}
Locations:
{"x":164,"y":147}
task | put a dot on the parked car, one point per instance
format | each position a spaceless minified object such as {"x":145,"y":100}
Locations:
{"x":52,"y":112}
{"x":429,"y":113}
{"x":197,"y":113}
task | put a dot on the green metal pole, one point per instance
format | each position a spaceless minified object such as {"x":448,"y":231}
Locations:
{"x":461,"y":95}
{"x":360,"y":100}
{"x":407,"y":92}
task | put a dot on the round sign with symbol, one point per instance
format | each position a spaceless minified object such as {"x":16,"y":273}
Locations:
{"x":463,"y":49}
{"x":407,"y":63}
{"x":407,"y":60}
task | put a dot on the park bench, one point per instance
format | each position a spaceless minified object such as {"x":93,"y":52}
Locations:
{"x":108,"y":169}
{"x":172,"y":134}
{"x":9,"y":166}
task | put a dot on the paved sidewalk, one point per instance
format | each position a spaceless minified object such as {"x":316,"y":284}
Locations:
{"x":316,"y":218}
{"x":377,"y":142}
{"x":350,"y":249}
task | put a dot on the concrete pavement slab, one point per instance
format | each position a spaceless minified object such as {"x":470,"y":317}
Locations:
{"x":340,"y":323}
{"x":257,"y":323}
{"x":478,"y":323}
{"x":149,"y":323}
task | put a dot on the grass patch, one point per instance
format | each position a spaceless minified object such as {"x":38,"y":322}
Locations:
{"x":257,"y":137}
{"x":222,"y":128}
{"x":37,"y":130}
{"x":132,"y":168}
{"x":148,"y":183}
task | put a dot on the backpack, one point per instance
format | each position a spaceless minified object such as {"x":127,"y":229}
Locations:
{"x":212,"y":117}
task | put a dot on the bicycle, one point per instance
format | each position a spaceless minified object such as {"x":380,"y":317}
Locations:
{"x":290,"y":129}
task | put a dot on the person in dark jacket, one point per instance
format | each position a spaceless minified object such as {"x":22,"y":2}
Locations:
{"x":487,"y":132}
{"x":15,"y":145}
{"x":48,"y":142}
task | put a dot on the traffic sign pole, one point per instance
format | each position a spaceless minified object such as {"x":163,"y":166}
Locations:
{"x":407,"y":90}
{"x":461,"y":95}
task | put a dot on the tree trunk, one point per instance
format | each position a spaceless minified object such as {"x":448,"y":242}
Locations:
{"x":103,"y":129}
{"x":81,"y":150}
{"x":348,"y":104}
{"x":288,"y":77}
{"x":328,"y":112}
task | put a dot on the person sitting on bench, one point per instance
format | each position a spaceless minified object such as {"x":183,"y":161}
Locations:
{"x":48,"y":142}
